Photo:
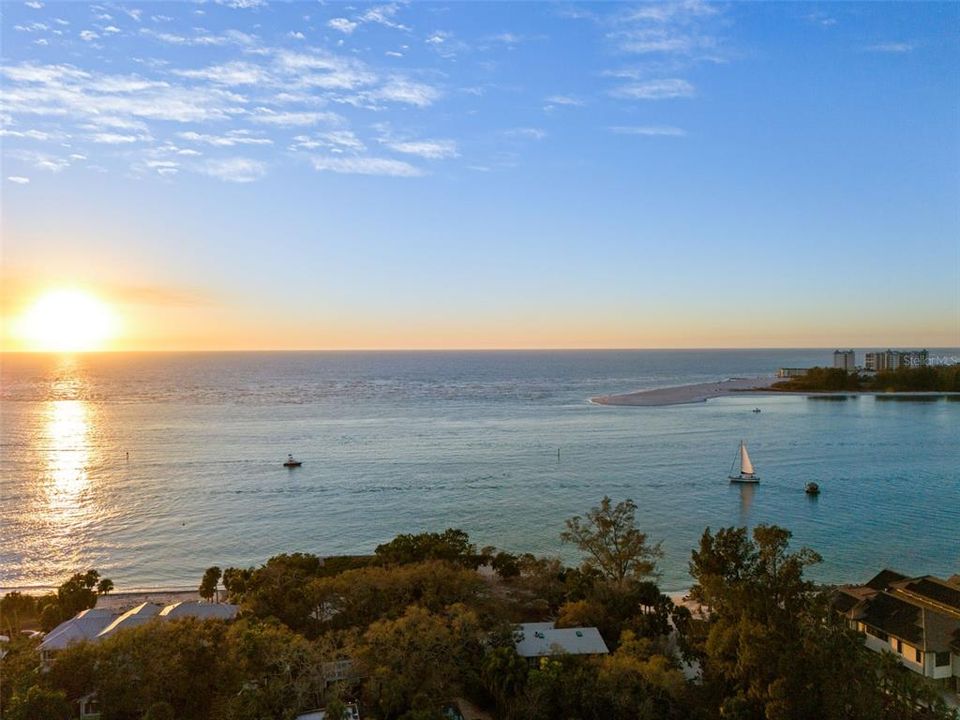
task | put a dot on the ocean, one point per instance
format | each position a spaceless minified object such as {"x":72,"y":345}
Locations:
{"x":399,"y":442}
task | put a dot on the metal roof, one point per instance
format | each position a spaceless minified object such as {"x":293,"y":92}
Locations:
{"x":541,"y":639}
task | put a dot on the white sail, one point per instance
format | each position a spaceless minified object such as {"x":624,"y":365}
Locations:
{"x":746,"y":467}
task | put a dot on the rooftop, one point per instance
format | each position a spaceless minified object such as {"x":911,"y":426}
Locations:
{"x":542,"y":639}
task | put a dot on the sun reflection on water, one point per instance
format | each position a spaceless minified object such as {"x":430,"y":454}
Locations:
{"x":68,"y":451}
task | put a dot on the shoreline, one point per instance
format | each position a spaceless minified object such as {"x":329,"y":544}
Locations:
{"x":686,"y":394}
{"x":701,"y":392}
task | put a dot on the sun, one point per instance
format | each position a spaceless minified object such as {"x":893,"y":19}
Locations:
{"x":67,"y":320}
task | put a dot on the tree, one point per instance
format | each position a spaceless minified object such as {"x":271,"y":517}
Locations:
{"x":80,"y":592}
{"x":14,"y":608}
{"x":39,"y":702}
{"x":208,"y":585}
{"x":613,"y":544}
{"x":415,"y":661}
{"x":451,"y":545}
{"x":504,"y":674}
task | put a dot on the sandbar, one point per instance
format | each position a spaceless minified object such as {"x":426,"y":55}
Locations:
{"x":685,"y":394}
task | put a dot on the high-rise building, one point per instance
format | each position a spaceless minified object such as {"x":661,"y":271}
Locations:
{"x":846,"y":359}
{"x":893,"y":359}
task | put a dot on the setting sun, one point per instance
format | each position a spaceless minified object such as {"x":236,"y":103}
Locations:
{"x":67,"y":321}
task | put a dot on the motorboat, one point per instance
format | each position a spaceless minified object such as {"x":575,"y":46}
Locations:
{"x":812,"y":489}
{"x":291,"y":462}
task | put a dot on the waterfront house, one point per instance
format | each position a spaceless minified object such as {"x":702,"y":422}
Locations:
{"x":86,"y":625}
{"x":97,"y":623}
{"x":917,"y":619}
{"x":542,"y":639}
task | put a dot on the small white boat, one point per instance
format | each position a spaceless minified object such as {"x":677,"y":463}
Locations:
{"x":290,"y":462}
{"x":747,"y":475}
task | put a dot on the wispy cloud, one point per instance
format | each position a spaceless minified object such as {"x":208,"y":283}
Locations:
{"x":665,"y":89}
{"x":820,"y":18}
{"x":114,"y":138}
{"x":649,"y":130}
{"x":366,"y":166}
{"x":337,"y":141}
{"x":238,"y":169}
{"x":18,"y":179}
{"x":895,"y":48}
{"x":342,"y":25}
{"x":231,"y":138}
{"x":403,"y":90}
{"x":241,"y":4}
{"x":526,"y":133}
{"x":667,"y":28}
{"x":564,"y":100}
{"x":202,"y":38}
{"x":428,"y":149}
{"x":265,"y":116}
{"x":66,"y":91}
{"x":383,"y":15}
{"x":234,"y":73}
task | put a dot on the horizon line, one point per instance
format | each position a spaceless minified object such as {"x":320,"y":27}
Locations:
{"x":473,"y":349}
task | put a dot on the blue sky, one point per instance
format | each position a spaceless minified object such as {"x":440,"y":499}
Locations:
{"x":245,"y":175}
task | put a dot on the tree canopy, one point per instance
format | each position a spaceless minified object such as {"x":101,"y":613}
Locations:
{"x":613,"y":544}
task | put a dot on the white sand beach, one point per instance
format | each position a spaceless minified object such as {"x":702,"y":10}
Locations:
{"x":685,"y":394}
{"x":120,"y":601}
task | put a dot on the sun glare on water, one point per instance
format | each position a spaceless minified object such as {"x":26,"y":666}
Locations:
{"x":67,"y":321}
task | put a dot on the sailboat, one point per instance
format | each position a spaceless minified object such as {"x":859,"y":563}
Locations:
{"x":746,"y":467}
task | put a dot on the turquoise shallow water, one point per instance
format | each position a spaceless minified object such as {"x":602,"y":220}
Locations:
{"x":403,"y":442}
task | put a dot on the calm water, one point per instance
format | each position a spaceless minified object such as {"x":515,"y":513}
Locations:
{"x":404,"y":442}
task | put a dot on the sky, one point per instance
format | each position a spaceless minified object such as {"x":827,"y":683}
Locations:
{"x":252,"y":175}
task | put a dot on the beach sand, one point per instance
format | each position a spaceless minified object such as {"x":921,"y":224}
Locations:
{"x":685,"y":394}
{"x":122,"y":601}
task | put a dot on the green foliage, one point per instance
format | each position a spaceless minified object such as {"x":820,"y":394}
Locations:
{"x":416,"y":661}
{"x":15,"y":609}
{"x":505,"y":565}
{"x":612,"y":543}
{"x":357,"y":598}
{"x":39,"y":702}
{"x":160,"y":711}
{"x":926,"y":378}
{"x":19,"y":670}
{"x":820,"y":379}
{"x":278,"y":589}
{"x":451,"y":545}
{"x":773,"y":650}
{"x":80,"y":592}
{"x":209,"y":582}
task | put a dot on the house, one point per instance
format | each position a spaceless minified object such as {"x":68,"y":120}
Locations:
{"x":98,"y":623}
{"x":86,"y":625}
{"x":917,"y":619}
{"x":542,"y":639}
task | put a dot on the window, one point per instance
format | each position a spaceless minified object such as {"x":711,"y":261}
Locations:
{"x":919,"y":657}
{"x":899,"y":646}
{"x":876,"y":633}
{"x":943,"y":658}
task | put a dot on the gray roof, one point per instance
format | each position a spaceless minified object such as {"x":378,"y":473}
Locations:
{"x":131,"y":618}
{"x":98,"y":623}
{"x":541,"y":639}
{"x":85,"y":626}
{"x":200,"y":610}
